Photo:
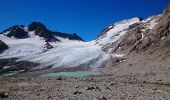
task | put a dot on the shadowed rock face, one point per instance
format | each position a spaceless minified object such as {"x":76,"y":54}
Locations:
{"x":12,"y":65}
{"x":159,"y":33}
{"x":74,"y":36}
{"x":36,"y":26}
{"x":132,"y":38}
{"x":47,"y":46}
{"x":127,"y":41}
{"x":3,"y":46}
{"x":42,"y":31}
{"x":16,"y":31}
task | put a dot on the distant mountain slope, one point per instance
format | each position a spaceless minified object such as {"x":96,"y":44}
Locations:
{"x":53,"y":50}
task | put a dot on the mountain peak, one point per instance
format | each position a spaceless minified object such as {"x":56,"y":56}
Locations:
{"x":36,"y":26}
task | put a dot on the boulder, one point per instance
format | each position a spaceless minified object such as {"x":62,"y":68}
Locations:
{"x":3,"y":94}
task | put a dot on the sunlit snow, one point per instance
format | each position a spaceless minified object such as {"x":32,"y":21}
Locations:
{"x":67,"y":53}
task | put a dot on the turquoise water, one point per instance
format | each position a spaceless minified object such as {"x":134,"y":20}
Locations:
{"x":8,"y":74}
{"x":71,"y":74}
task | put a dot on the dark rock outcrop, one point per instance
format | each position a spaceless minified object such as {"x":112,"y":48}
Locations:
{"x":132,"y":38}
{"x":74,"y":36}
{"x":12,"y":65}
{"x":16,"y":31}
{"x":48,"y":46}
{"x":42,"y":31}
{"x":36,"y":26}
{"x":3,"y":46}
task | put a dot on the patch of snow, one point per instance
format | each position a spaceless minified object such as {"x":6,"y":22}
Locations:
{"x":142,"y":35}
{"x":26,"y":29}
{"x":118,"y":30}
{"x":21,"y":50}
{"x":110,"y":26}
{"x":6,"y":67}
{"x":66,"y":39}
{"x":163,"y":38}
{"x":5,"y":33}
{"x":151,"y":24}
{"x":11,"y":40}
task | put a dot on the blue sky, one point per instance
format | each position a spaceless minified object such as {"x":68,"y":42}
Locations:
{"x":84,"y":17}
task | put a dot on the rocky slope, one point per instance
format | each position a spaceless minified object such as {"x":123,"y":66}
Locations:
{"x":146,"y":45}
{"x":137,"y":35}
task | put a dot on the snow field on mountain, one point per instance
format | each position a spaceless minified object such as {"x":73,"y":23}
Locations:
{"x":68,"y":53}
{"x":117,"y":31}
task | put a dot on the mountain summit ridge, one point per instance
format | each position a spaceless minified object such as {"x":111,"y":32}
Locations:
{"x":21,"y":31}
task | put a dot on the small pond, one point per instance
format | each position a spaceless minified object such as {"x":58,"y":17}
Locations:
{"x":77,"y":74}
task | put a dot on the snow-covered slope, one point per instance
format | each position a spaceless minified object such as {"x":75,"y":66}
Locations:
{"x":21,"y":50}
{"x":116,"y":31}
{"x":33,"y":39}
{"x":67,"y":52}
{"x":71,"y":54}
{"x":22,"y":47}
{"x":28,"y":46}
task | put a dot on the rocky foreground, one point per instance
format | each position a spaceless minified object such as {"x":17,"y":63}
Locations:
{"x":105,"y":87}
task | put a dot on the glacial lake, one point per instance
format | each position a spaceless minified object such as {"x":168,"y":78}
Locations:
{"x":9,"y":74}
{"x":77,"y":74}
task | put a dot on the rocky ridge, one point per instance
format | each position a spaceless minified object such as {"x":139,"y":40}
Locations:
{"x":20,"y":31}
